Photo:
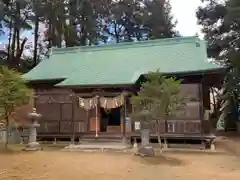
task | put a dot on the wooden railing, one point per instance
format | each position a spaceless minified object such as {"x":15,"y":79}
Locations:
{"x":177,"y":126}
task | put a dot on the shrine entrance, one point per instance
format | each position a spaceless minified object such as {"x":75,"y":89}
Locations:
{"x":110,"y":120}
{"x":104,"y":113}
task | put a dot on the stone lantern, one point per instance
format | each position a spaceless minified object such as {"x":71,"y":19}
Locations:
{"x":33,"y":145}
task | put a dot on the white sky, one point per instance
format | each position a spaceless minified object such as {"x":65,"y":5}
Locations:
{"x":184,"y":12}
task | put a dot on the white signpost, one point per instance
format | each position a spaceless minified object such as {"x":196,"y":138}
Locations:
{"x":137,"y":125}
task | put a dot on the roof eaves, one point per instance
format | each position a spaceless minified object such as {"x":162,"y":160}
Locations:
{"x":137,"y":76}
{"x":194,"y":72}
{"x":92,"y":85}
{"x":204,"y":71}
{"x":45,"y":79}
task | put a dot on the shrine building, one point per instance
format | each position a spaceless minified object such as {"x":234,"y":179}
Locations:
{"x":86,"y":91}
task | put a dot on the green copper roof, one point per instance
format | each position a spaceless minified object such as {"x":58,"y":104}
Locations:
{"x":122,"y":63}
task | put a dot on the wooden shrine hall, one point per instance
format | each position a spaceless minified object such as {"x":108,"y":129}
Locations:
{"x":86,"y":91}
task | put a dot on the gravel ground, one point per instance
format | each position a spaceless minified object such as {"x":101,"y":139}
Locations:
{"x":56,"y":165}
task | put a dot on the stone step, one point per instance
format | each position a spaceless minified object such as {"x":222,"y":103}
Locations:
{"x":101,"y":139}
{"x":98,"y":146}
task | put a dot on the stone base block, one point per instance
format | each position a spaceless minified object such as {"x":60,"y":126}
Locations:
{"x":33,"y":147}
{"x":146,"y":151}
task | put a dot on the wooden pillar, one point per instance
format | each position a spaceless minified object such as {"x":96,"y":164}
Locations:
{"x":73,"y":117}
{"x":61,"y":117}
{"x":201,"y":108}
{"x":123,"y":117}
{"x":97,"y":117}
{"x":87,"y":126}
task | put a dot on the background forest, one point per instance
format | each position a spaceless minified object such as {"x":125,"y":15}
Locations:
{"x":82,"y":22}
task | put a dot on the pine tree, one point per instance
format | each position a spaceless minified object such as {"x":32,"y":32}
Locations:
{"x":16,"y":14}
{"x":13,"y":93}
{"x":158,"y":99}
{"x":159,"y":20}
{"x":221,"y":26}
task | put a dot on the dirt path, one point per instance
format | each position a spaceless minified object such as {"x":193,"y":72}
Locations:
{"x":47,"y":165}
{"x":230,"y":144}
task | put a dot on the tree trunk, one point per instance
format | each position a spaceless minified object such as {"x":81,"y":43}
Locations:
{"x":9,"y":41}
{"x":18,"y":39}
{"x":159,"y":141}
{"x":7,"y":130}
{"x":116,"y":33}
{"x":35,"y":57}
{"x":214,"y":101}
{"x":12,"y":49}
{"x":158,"y":135}
{"x":14,"y":62}
{"x":50,"y":31}
{"x":83,"y":38}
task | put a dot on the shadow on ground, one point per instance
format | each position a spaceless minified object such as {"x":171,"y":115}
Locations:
{"x":196,"y":152}
{"x":160,"y":160}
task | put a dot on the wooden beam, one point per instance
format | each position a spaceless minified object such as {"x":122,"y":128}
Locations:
{"x":106,"y":94}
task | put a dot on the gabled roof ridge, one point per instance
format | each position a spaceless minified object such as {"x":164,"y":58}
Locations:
{"x":147,"y":43}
